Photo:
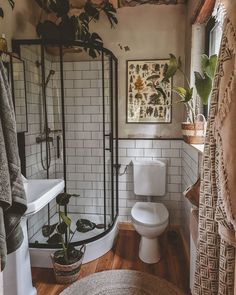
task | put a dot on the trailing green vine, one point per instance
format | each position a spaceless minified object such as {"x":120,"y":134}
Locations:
{"x":69,"y":27}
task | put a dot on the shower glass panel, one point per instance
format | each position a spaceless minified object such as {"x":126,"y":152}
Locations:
{"x":72,"y":133}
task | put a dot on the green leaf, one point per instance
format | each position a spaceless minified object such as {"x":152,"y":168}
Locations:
{"x":65,"y":218}
{"x":186,"y":94}
{"x":84,"y":225}
{"x":12,"y":3}
{"x":208,"y":65}
{"x":211,"y":68}
{"x":173,"y":66}
{"x":47,"y":230}
{"x":55,"y":239}
{"x":91,"y":10}
{"x":203,"y":86}
{"x":60,"y":7}
{"x":110,"y":12}
{"x":63,"y":199}
{"x":62,"y":228}
{"x":160,"y":89}
{"x":67,"y":28}
{"x":48,"y":30}
{"x":180,"y":91}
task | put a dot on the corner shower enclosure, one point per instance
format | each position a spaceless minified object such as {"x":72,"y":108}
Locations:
{"x":72,"y":132}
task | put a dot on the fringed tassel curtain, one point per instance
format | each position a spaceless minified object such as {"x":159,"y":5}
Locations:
{"x":215,"y":265}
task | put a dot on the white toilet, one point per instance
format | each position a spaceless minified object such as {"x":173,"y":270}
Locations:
{"x":149,"y":219}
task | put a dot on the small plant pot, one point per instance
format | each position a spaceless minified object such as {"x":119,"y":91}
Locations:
{"x":67,"y":273}
{"x":193,"y":133}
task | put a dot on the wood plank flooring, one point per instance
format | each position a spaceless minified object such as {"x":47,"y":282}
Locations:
{"x":173,"y":265}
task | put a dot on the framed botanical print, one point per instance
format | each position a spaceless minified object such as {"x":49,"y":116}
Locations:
{"x":144,"y":103}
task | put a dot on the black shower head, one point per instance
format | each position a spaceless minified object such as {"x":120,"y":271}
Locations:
{"x":51,"y":73}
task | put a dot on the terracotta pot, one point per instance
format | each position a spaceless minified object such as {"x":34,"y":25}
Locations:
{"x":67,"y":274}
{"x":193,"y":133}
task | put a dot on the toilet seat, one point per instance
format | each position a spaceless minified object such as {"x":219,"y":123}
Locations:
{"x":149,"y":214}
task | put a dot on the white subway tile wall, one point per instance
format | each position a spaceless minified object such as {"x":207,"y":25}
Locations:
{"x":168,"y":150}
{"x":34,"y":169}
{"x":84,"y":135}
{"x":84,"y":145}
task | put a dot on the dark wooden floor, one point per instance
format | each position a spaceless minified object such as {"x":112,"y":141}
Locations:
{"x":173,"y":265}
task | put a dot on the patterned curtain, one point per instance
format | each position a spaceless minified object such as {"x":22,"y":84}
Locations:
{"x":215,"y":265}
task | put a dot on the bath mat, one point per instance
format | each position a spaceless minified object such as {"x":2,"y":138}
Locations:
{"x":121,"y":282}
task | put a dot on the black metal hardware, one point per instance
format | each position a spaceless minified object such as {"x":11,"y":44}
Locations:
{"x":43,"y":138}
{"x":58,"y":147}
{"x":113,"y":132}
{"x":110,"y":142}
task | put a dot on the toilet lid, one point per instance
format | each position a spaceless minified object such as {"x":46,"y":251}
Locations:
{"x":150,"y":213}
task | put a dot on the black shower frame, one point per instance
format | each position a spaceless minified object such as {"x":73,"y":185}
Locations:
{"x":16,"y":44}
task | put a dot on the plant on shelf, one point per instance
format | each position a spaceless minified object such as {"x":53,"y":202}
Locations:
{"x":193,"y":129}
{"x":66,"y":25}
{"x":66,"y":261}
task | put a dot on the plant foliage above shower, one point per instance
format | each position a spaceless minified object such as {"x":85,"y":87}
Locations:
{"x":66,"y":26}
{"x":12,"y":3}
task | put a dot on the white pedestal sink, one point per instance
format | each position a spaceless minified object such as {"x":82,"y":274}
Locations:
{"x":17,"y":278}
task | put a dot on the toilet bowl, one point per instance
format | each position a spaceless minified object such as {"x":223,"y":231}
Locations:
{"x":150,"y":220}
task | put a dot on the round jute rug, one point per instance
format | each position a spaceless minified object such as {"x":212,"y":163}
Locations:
{"x":122,"y":282}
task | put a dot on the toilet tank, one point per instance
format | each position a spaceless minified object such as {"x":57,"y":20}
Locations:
{"x":149,"y":177}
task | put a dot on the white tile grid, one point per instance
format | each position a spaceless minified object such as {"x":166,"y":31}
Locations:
{"x":84,"y":136}
{"x":33,"y":150}
{"x":169,"y":150}
{"x":84,"y":148}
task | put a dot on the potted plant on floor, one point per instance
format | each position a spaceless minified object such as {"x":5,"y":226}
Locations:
{"x":68,"y":260}
{"x":193,"y":129}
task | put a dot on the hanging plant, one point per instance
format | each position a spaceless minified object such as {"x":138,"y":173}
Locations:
{"x":12,"y":3}
{"x":67,"y":27}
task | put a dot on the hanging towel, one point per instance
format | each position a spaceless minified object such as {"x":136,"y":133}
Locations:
{"x":12,"y":194}
{"x":215,"y":272}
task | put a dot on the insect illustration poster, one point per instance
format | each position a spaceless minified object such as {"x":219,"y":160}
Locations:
{"x":144,"y":103}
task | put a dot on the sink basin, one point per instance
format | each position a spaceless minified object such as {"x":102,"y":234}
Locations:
{"x":39,"y":192}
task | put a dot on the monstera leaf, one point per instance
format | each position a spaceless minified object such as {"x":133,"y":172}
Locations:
{"x":84,"y":225}
{"x":92,"y":44}
{"x":48,"y":30}
{"x":62,"y":228}
{"x":91,"y":10}
{"x":12,"y":3}
{"x":55,"y":239}
{"x":59,"y":7}
{"x":110,"y":12}
{"x":67,"y":28}
{"x":63,"y":199}
{"x":47,"y":230}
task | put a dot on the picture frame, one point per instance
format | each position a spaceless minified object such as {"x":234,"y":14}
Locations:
{"x":143,"y":103}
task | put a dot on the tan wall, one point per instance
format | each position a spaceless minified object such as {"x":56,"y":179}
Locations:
{"x":151,"y":32}
{"x":21,"y":22}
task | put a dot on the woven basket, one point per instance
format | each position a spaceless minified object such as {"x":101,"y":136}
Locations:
{"x":67,"y":274}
